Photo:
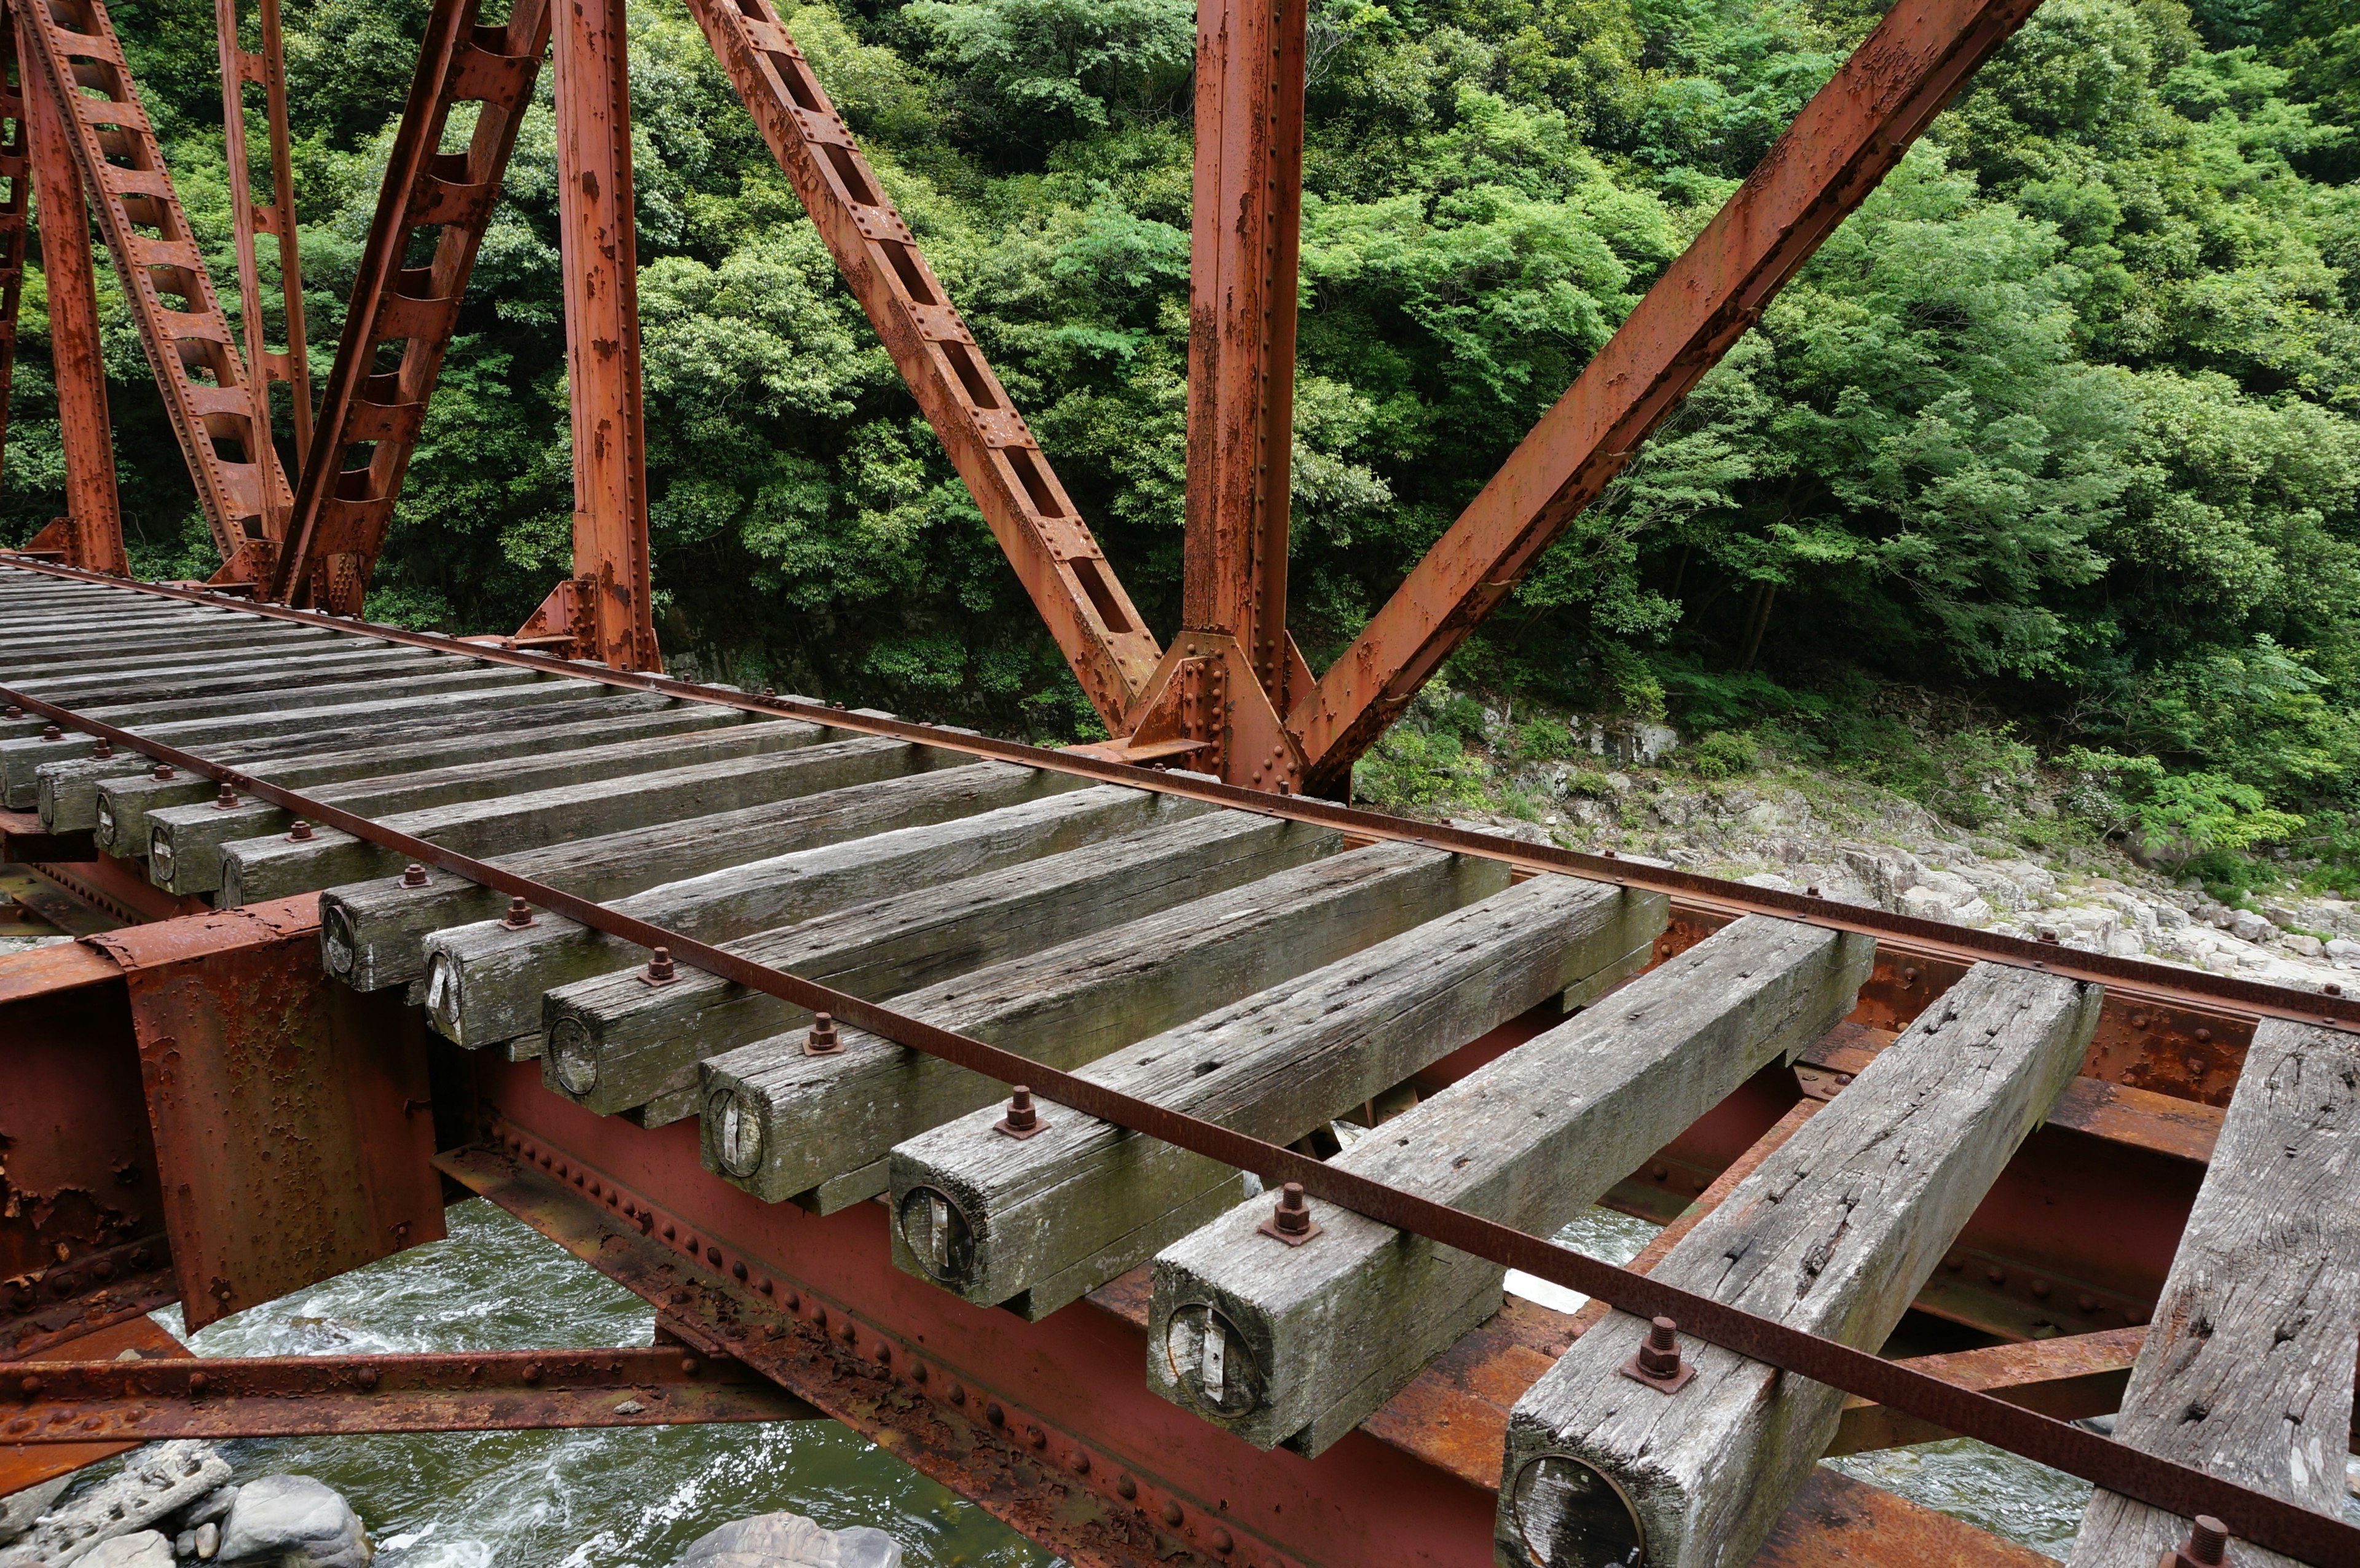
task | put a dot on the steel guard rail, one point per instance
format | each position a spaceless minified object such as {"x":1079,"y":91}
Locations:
{"x":2256,"y":1516}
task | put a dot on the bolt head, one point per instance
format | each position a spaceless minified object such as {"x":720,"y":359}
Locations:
{"x":413,"y":876}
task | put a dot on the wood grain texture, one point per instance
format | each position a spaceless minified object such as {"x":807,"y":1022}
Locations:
{"x":617,"y":1043}
{"x":484,"y":982}
{"x":454,"y":692}
{"x":275,"y":868}
{"x":1336,"y":1327}
{"x":119,"y":803}
{"x":375,"y":933}
{"x":779,"y":1122}
{"x":1055,"y":1216}
{"x":1833,"y":1234}
{"x":2246,"y":1372}
{"x":190,"y":837}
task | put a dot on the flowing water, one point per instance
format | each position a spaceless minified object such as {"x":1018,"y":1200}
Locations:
{"x":634,"y":1497}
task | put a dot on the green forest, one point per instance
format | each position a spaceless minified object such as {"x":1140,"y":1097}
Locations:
{"x":2050,"y":460}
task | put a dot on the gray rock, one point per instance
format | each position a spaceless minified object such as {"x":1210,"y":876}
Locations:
{"x":146,"y":1550}
{"x":293,"y":1522}
{"x":2308,"y":946}
{"x":214,"y":1506}
{"x":2343,"y":949}
{"x":207,"y":1544}
{"x":790,"y":1540}
{"x":154,"y":1484}
{"x":19,"y":1509}
{"x":2246,"y":925}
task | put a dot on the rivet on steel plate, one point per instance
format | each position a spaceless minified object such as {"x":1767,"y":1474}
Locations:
{"x":660,"y":970}
{"x":300,"y":832}
{"x":1127,"y":1486}
{"x":1291,"y":1222}
{"x":1171,"y":1514}
{"x":1023,"y":1119}
{"x":532,"y":1372}
{"x":366,"y":1377}
{"x":520,"y":916}
{"x":226,"y":801}
{"x":1659,"y":1363}
{"x":161,"y":773}
{"x":2207,"y":1545}
{"x":824,"y":1038}
{"x":414,"y":874}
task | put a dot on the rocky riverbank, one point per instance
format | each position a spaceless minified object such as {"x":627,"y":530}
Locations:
{"x":1853,"y":844}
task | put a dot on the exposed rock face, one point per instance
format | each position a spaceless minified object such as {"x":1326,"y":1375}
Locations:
{"x":19,"y":1509}
{"x":145,"y":1550}
{"x":790,"y":1540}
{"x":155,"y":1483}
{"x":291,"y":1521}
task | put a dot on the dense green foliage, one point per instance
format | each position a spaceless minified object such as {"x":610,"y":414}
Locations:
{"x":2060,"y":426}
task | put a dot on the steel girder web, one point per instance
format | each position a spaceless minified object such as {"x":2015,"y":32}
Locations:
{"x":1839,"y":147}
{"x":1055,"y":556}
{"x":375,"y":396}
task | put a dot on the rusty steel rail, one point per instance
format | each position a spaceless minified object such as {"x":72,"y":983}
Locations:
{"x":292,"y":1395}
{"x":2129,"y":978}
{"x":2266,"y":1520}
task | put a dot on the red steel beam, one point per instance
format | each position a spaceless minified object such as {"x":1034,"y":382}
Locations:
{"x":1247,"y":229}
{"x":15,"y":208}
{"x":370,"y":411}
{"x":1055,"y":556}
{"x":92,"y":534}
{"x":1839,"y":147}
{"x":73,"y":43}
{"x":605,"y":605}
{"x":292,"y":1395}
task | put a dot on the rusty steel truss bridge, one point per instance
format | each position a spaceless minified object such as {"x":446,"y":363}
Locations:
{"x":1131,"y":1136}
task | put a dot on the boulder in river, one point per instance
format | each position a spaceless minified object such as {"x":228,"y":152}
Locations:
{"x":291,"y":1521}
{"x":145,"y":1550}
{"x":790,"y":1541}
{"x":153,"y":1484}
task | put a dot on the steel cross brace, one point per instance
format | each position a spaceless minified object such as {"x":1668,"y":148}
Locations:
{"x":285,"y":1396}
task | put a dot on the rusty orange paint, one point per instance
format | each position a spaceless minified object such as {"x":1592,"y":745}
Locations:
{"x":30,"y":1464}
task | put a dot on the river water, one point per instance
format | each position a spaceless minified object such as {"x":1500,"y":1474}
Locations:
{"x":634,"y":1497}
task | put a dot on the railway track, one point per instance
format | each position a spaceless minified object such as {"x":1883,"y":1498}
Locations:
{"x":623,"y":904}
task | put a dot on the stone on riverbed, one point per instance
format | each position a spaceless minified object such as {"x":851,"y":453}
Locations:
{"x":19,"y":1509}
{"x":145,"y":1550}
{"x":291,"y":1521}
{"x":153,"y":1484}
{"x":790,"y":1541}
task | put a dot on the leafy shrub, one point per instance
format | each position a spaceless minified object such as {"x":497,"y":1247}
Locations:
{"x":1413,"y":771}
{"x":2167,"y":820}
{"x":1725,"y":754}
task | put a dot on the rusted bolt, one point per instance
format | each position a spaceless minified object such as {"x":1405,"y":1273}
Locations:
{"x":300,"y":831}
{"x":141,"y":1256}
{"x":769,"y":692}
{"x":51,"y":731}
{"x":2203,"y":1037}
{"x":29,"y":1386}
{"x":994,"y":1414}
{"x":917,"y":1372}
{"x":2331,"y":989}
{"x":1126,"y":1485}
{"x":161,"y":772}
{"x":2207,"y":1545}
{"x":1081,"y":1463}
{"x":225,"y":799}
{"x":824,"y":1038}
{"x":366,"y":1377}
{"x":1171,"y":1514}
{"x":768,"y":1285}
{"x":198,"y":1384}
{"x":2138,"y":1020}
{"x":738,"y":1268}
{"x":414,"y":874}
{"x":958,"y":1393}
{"x":105,"y":748}
{"x":1910,"y":977}
{"x":660,"y":967}
{"x":532,"y":1372}
{"x":1995,"y":1274}
{"x":1023,"y":1118}
{"x":15,"y":711}
{"x":1294,"y":1216}
{"x":2088,"y":1304}
{"x":1657,"y":1363}
{"x":713,"y":1255}
{"x":671,"y":1231}
{"x":1954,"y":1263}
{"x":2041,"y":1289}
{"x":2049,"y":934}
{"x":519,"y":917}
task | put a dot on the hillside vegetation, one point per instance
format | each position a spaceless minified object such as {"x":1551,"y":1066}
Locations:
{"x":2046,"y":469}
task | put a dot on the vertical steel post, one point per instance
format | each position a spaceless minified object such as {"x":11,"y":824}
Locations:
{"x":1248,"y":197}
{"x":93,"y":520}
{"x":234,"y":73}
{"x":611,"y":579}
{"x":15,"y":210}
{"x":250,"y":219}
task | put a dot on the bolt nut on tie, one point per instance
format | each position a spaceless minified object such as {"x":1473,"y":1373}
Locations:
{"x":414,"y":874}
{"x":822,"y":1039}
{"x":660,"y":970}
{"x":2207,"y":1546}
{"x":104,"y":749}
{"x":520,"y":916}
{"x":15,"y":711}
{"x":226,"y":801}
{"x":51,"y":731}
{"x":162,"y":773}
{"x":1291,"y":1222}
{"x":300,"y":831}
{"x":1659,"y":1363}
{"x":1023,"y":1118}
